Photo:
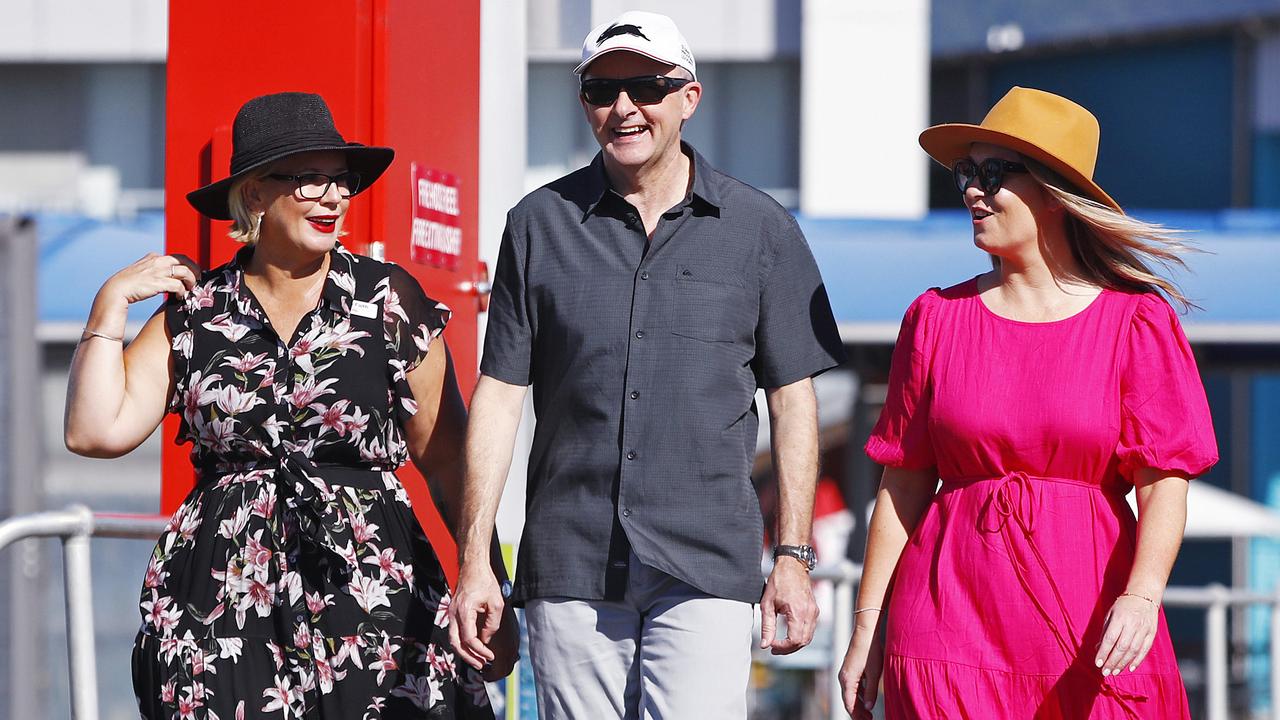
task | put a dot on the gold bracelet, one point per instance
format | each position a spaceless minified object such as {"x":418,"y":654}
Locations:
{"x":94,"y":334}
{"x":1144,"y":597}
{"x":866,"y":609}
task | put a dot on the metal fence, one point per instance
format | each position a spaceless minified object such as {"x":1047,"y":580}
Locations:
{"x":76,"y":524}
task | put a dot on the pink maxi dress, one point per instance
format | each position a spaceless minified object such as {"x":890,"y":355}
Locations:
{"x":1035,"y":430}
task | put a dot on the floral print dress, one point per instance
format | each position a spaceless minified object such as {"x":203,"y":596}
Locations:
{"x":294,"y":581}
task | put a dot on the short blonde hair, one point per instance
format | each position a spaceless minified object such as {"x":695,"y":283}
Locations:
{"x":244,"y":223}
{"x":1115,"y":250}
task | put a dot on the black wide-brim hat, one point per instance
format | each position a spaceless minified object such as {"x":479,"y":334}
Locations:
{"x":271,"y":127}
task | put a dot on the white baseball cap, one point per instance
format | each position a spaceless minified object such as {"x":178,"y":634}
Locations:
{"x":645,"y":33}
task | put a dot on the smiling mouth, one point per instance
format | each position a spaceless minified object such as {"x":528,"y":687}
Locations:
{"x":981,"y":215}
{"x":629,"y":132}
{"x":324,"y":223}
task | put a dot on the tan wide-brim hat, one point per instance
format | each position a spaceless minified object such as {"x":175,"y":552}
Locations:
{"x":1048,"y":128}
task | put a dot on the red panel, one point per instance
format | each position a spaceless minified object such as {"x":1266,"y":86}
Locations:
{"x":431,"y":77}
{"x":427,"y":66}
{"x":403,"y":73}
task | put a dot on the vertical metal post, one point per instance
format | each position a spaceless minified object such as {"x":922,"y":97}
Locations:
{"x":80,"y":642}
{"x":1275,"y":657}
{"x":1216,"y":651}
{"x":841,"y":631}
{"x":20,"y":473}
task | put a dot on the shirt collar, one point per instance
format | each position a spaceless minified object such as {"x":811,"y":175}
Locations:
{"x":704,"y":192}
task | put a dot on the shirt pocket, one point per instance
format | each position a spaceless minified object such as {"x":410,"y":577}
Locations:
{"x":710,"y":305}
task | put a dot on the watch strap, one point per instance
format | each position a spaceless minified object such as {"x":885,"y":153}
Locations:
{"x":804,"y":553}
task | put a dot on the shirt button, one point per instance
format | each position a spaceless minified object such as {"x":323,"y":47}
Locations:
{"x":639,"y":334}
{"x":631,"y":454}
{"x":644,"y":275}
{"x":626,"y":512}
{"x":635,"y":395}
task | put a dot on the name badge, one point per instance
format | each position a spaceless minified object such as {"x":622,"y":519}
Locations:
{"x":364,"y":309}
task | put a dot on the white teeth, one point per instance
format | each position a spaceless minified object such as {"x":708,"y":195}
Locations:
{"x":629,"y":130}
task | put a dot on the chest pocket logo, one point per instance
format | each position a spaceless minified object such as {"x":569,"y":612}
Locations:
{"x":711,"y":306}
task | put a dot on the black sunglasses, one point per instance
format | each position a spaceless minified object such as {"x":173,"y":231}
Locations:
{"x":643,"y":90}
{"x":989,"y":173}
{"x":313,"y":186}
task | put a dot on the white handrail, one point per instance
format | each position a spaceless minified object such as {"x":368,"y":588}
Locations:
{"x":75,"y":525}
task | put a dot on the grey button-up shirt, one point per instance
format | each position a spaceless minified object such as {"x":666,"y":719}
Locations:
{"x":644,"y":356}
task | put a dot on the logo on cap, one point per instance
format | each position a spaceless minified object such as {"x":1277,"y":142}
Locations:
{"x":615,"y":30}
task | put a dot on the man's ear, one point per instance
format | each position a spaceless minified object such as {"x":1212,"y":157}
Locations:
{"x":690,"y":95}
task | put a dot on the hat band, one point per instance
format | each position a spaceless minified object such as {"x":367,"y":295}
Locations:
{"x":294,"y":142}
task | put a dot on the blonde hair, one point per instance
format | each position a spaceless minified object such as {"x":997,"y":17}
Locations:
{"x":245,"y":224}
{"x":1115,"y":250}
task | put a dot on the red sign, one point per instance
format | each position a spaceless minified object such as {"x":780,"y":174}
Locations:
{"x":437,"y":231}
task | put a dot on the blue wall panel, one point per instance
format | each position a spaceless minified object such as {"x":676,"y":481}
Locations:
{"x":1165,"y":112}
{"x":1264,"y":558}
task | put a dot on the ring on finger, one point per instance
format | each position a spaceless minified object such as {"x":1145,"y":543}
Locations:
{"x":173,"y":270}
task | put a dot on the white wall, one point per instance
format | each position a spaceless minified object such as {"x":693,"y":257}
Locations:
{"x":84,"y":30}
{"x":715,"y":29}
{"x":503,"y":111}
{"x":865,"y":99}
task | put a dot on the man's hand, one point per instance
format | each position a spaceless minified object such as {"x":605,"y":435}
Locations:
{"x":475,"y":615}
{"x":505,"y":646}
{"x":790,"y":594}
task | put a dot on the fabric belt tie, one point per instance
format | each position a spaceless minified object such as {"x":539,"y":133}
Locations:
{"x":309,"y":509}
{"x":1010,"y":510}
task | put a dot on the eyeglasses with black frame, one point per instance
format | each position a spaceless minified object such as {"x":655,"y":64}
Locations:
{"x":643,"y":89}
{"x":313,"y":186}
{"x":989,"y":173}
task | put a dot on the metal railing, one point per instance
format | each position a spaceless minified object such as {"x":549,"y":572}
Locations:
{"x":1216,"y":599}
{"x":77,"y":523}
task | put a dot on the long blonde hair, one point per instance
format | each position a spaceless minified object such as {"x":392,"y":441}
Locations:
{"x":1113,"y":249}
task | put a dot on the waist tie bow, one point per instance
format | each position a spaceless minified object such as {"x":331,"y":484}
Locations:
{"x":310,"y":511}
{"x":1010,"y":510}
{"x":312,"y":505}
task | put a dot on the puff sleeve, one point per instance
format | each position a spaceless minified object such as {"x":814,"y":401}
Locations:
{"x":901,"y":436}
{"x":412,"y":322}
{"x":1164,"y":416}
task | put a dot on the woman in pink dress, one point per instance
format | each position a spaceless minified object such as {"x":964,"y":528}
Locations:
{"x":1039,"y":394}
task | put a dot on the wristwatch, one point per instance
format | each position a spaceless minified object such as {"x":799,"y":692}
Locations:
{"x":803,"y":553}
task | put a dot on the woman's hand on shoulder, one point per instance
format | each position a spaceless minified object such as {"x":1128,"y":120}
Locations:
{"x":151,"y":275}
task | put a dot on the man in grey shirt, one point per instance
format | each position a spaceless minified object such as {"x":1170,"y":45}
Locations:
{"x":645,"y":297}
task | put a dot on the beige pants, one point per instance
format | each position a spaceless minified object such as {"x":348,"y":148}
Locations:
{"x":667,"y":651}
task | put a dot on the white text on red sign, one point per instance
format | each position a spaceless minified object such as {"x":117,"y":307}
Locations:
{"x":437,"y":196}
{"x":431,"y":235}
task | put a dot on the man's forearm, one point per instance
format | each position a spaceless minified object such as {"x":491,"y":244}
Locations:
{"x":793,"y":413}
{"x":496,"y":408}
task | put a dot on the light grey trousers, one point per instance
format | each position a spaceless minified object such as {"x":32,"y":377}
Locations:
{"x":667,"y":651}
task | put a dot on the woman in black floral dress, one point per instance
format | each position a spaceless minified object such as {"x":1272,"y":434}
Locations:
{"x":294,"y":580}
